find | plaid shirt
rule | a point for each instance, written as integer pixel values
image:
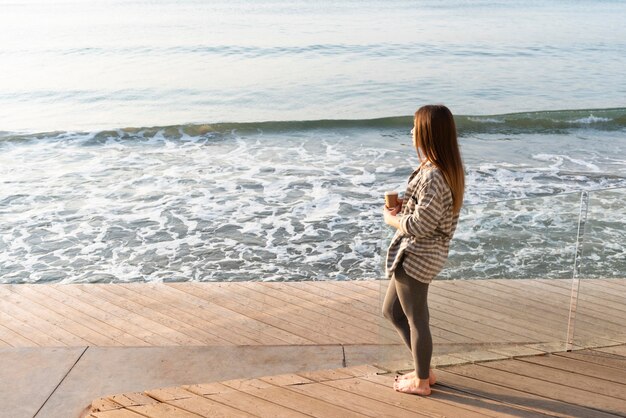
(426, 226)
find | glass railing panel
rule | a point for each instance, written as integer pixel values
(599, 299)
(503, 289)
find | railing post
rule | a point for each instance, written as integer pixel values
(582, 220)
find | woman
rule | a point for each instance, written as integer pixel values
(425, 222)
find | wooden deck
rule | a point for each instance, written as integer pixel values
(585, 383)
(471, 321)
(497, 312)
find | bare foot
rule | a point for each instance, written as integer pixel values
(413, 386)
(432, 379)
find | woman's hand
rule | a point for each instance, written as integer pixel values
(390, 216)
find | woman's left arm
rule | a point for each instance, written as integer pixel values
(425, 218)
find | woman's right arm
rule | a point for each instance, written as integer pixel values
(428, 210)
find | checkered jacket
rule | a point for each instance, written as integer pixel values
(426, 226)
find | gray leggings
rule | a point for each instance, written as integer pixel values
(406, 306)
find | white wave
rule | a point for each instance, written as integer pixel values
(365, 178)
(277, 207)
(485, 120)
(590, 119)
(559, 159)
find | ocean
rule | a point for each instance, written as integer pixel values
(254, 140)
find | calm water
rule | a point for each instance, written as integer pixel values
(114, 64)
(132, 148)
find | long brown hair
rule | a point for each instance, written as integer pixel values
(435, 137)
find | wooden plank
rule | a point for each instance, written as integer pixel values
(306, 404)
(363, 370)
(355, 288)
(489, 316)
(513, 351)
(43, 307)
(139, 326)
(39, 318)
(474, 328)
(512, 397)
(150, 407)
(617, 284)
(551, 347)
(327, 374)
(551, 300)
(602, 291)
(162, 410)
(167, 326)
(543, 321)
(513, 305)
(364, 290)
(593, 309)
(116, 413)
(256, 406)
(442, 401)
(442, 331)
(99, 333)
(279, 396)
(258, 312)
(337, 308)
(354, 401)
(471, 325)
(223, 321)
(193, 326)
(191, 402)
(445, 333)
(364, 321)
(104, 404)
(490, 373)
(570, 364)
(223, 331)
(317, 289)
(353, 306)
(204, 389)
(363, 328)
(588, 327)
(132, 399)
(18, 333)
(618, 350)
(286, 379)
(187, 333)
(545, 371)
(515, 294)
(27, 317)
(597, 357)
(306, 315)
(383, 393)
(538, 302)
(259, 330)
(243, 385)
(599, 305)
(127, 329)
(358, 293)
(508, 309)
